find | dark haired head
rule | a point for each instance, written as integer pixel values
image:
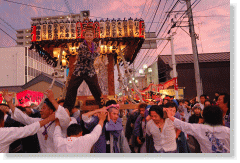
(170, 104)
(1, 116)
(4, 105)
(89, 28)
(110, 102)
(205, 96)
(21, 108)
(49, 104)
(212, 115)
(158, 109)
(60, 101)
(74, 129)
(142, 105)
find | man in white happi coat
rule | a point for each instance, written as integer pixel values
(45, 133)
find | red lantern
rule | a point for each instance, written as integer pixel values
(83, 27)
(142, 29)
(78, 29)
(33, 34)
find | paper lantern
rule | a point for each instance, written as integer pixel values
(120, 28)
(142, 29)
(61, 31)
(130, 27)
(114, 28)
(96, 27)
(33, 33)
(103, 49)
(67, 29)
(102, 28)
(83, 27)
(78, 29)
(55, 30)
(73, 30)
(64, 62)
(125, 28)
(44, 31)
(109, 49)
(108, 28)
(56, 52)
(136, 28)
(50, 30)
(38, 31)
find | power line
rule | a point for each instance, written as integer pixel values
(212, 7)
(35, 6)
(8, 34)
(177, 28)
(149, 49)
(7, 24)
(155, 14)
(148, 9)
(159, 32)
(143, 8)
(68, 6)
(161, 13)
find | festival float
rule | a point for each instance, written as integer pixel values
(119, 40)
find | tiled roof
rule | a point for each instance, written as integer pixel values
(12, 88)
(203, 57)
(43, 77)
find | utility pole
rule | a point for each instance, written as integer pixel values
(173, 63)
(194, 49)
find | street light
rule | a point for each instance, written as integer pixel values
(136, 81)
(149, 69)
(145, 66)
(130, 81)
(141, 71)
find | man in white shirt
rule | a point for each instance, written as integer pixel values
(212, 136)
(45, 134)
(10, 134)
(112, 138)
(75, 142)
(162, 131)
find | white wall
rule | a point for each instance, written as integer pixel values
(12, 69)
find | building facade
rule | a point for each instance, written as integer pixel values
(214, 72)
(23, 37)
(19, 65)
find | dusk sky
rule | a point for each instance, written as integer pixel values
(211, 20)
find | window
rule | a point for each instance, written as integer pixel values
(21, 37)
(19, 43)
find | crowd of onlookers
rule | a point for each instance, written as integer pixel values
(162, 125)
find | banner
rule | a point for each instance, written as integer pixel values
(1, 98)
(158, 87)
(27, 97)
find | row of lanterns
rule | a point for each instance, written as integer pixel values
(76, 30)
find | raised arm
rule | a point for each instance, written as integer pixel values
(8, 98)
(61, 113)
(17, 114)
(11, 134)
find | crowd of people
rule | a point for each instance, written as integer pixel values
(161, 126)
